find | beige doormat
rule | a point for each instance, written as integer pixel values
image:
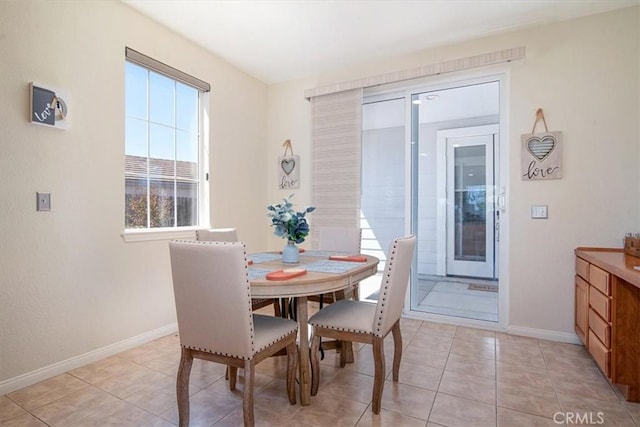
(485, 288)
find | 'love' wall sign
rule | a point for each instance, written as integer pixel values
(48, 107)
(541, 156)
(288, 168)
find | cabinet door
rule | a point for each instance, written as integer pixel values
(582, 309)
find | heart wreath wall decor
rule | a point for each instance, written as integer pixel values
(288, 168)
(541, 156)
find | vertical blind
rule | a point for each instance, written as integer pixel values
(336, 160)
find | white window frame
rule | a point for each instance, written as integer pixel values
(167, 233)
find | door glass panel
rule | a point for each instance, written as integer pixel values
(470, 203)
(383, 213)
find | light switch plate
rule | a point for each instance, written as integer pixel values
(43, 202)
(539, 212)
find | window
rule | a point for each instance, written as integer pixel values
(163, 143)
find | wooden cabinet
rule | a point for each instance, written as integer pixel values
(607, 314)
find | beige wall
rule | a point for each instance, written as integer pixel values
(69, 283)
(289, 117)
(585, 75)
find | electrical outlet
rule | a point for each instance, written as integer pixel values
(539, 212)
(43, 202)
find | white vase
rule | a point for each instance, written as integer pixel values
(290, 254)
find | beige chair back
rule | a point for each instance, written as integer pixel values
(340, 239)
(213, 297)
(217, 235)
(394, 284)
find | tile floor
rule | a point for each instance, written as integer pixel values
(448, 296)
(449, 376)
(451, 296)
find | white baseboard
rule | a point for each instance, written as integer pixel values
(30, 378)
(543, 334)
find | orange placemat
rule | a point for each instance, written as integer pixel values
(350, 258)
(287, 274)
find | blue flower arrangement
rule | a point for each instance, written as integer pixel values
(287, 223)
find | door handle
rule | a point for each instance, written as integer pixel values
(502, 199)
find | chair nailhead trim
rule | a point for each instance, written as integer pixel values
(385, 289)
(206, 350)
(344, 329)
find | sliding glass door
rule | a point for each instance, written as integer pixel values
(437, 167)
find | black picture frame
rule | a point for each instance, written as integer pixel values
(47, 107)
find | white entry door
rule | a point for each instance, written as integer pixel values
(470, 201)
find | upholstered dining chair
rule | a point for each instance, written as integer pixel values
(345, 240)
(359, 321)
(217, 235)
(231, 235)
(216, 323)
(340, 239)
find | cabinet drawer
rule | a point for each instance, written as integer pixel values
(600, 303)
(582, 268)
(600, 353)
(600, 279)
(600, 328)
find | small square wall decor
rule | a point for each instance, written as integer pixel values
(48, 107)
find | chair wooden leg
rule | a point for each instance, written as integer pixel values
(397, 349)
(284, 308)
(233, 376)
(315, 364)
(182, 387)
(346, 353)
(276, 308)
(378, 378)
(292, 365)
(247, 400)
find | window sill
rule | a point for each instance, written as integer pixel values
(131, 236)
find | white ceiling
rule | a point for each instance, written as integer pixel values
(277, 41)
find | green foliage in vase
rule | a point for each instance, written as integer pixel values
(287, 222)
